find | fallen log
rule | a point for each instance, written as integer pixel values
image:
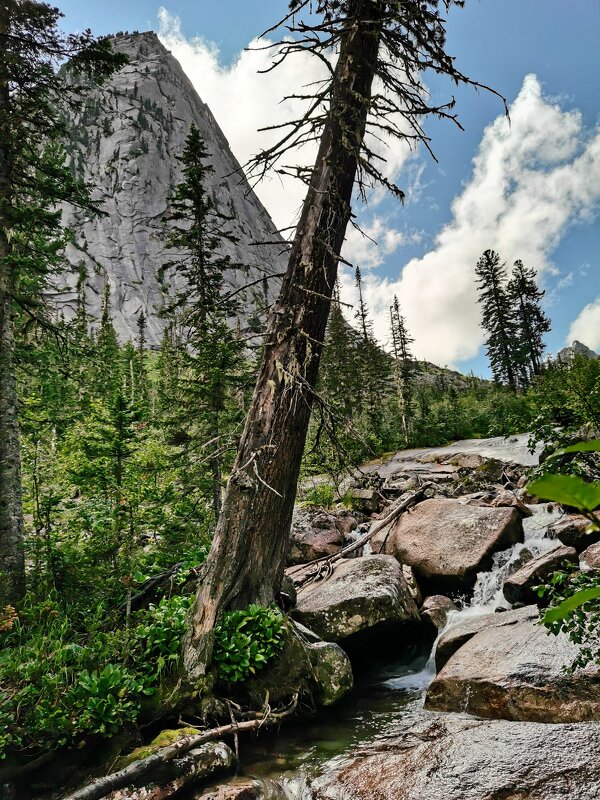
(323, 567)
(139, 771)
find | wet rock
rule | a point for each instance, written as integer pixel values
(447, 542)
(360, 595)
(591, 556)
(316, 533)
(332, 672)
(461, 758)
(436, 608)
(518, 587)
(451, 640)
(571, 530)
(235, 789)
(508, 499)
(517, 672)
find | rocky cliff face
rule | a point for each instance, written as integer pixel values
(125, 143)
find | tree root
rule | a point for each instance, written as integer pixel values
(141, 770)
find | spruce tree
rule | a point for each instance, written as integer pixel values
(34, 180)
(502, 343)
(531, 321)
(403, 365)
(212, 353)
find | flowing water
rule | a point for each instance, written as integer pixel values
(386, 694)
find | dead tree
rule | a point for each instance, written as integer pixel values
(386, 45)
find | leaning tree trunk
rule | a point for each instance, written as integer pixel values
(12, 565)
(247, 557)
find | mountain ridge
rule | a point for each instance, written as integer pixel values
(125, 143)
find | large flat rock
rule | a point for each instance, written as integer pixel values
(460, 633)
(448, 543)
(517, 672)
(361, 594)
(460, 758)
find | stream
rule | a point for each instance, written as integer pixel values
(387, 694)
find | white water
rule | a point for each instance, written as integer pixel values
(487, 593)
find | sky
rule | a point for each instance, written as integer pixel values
(528, 188)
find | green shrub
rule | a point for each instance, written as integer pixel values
(323, 494)
(246, 641)
(59, 684)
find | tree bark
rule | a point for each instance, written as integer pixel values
(12, 559)
(247, 558)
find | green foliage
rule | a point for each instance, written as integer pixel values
(246, 641)
(62, 683)
(569, 490)
(574, 597)
(157, 639)
(323, 494)
(575, 611)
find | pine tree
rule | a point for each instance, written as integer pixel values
(502, 344)
(212, 352)
(532, 322)
(34, 180)
(403, 365)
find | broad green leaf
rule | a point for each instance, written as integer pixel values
(580, 447)
(567, 489)
(570, 604)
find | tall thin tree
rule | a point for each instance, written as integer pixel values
(497, 318)
(33, 181)
(391, 41)
(532, 322)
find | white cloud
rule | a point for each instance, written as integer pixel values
(244, 98)
(586, 328)
(531, 179)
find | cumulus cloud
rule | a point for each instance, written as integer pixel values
(244, 98)
(586, 328)
(531, 179)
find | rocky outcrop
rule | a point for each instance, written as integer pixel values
(125, 142)
(361, 595)
(435, 609)
(453, 639)
(461, 758)
(448, 543)
(234, 789)
(332, 672)
(517, 672)
(591, 556)
(519, 587)
(317, 533)
(571, 530)
(306, 665)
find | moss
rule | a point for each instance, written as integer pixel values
(163, 739)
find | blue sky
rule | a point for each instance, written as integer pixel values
(455, 203)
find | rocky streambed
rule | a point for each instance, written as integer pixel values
(475, 703)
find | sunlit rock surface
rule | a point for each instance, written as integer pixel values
(125, 143)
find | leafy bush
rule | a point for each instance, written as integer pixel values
(246, 641)
(323, 494)
(60, 684)
(574, 597)
(157, 639)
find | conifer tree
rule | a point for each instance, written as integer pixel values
(403, 365)
(502, 344)
(532, 323)
(212, 352)
(34, 180)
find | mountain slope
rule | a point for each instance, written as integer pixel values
(125, 143)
